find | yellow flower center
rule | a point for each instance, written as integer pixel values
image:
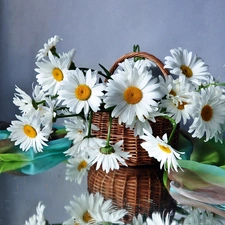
(133, 95)
(82, 165)
(80, 131)
(57, 74)
(166, 149)
(29, 131)
(172, 92)
(181, 105)
(207, 113)
(186, 71)
(83, 92)
(87, 217)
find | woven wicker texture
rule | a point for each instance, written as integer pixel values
(131, 143)
(137, 189)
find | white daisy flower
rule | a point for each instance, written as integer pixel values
(77, 168)
(84, 207)
(31, 221)
(200, 217)
(132, 95)
(51, 73)
(188, 65)
(166, 84)
(28, 132)
(208, 113)
(157, 219)
(161, 150)
(48, 112)
(108, 157)
(26, 104)
(40, 214)
(138, 125)
(48, 46)
(64, 112)
(85, 146)
(23, 101)
(37, 219)
(141, 65)
(219, 135)
(138, 220)
(69, 55)
(112, 217)
(38, 94)
(71, 221)
(80, 92)
(179, 98)
(77, 128)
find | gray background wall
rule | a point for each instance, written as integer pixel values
(101, 31)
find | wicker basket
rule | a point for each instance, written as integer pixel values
(137, 189)
(120, 132)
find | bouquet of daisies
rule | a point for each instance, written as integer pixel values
(132, 94)
(189, 95)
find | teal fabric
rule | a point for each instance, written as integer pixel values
(4, 134)
(29, 163)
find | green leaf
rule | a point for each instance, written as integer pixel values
(108, 75)
(58, 133)
(11, 166)
(13, 157)
(136, 48)
(209, 152)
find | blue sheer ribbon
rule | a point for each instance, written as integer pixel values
(201, 182)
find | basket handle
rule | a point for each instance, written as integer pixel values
(143, 55)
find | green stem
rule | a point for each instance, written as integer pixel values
(219, 84)
(174, 124)
(43, 101)
(67, 116)
(90, 122)
(99, 72)
(61, 108)
(56, 54)
(109, 131)
(53, 51)
(212, 84)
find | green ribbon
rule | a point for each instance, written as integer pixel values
(209, 152)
